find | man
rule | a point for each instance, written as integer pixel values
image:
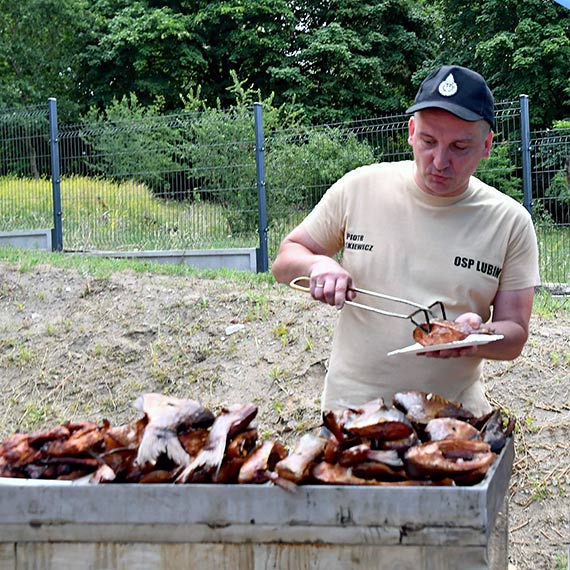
(424, 230)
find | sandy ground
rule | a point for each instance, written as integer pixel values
(75, 346)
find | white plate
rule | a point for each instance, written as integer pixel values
(18, 482)
(471, 340)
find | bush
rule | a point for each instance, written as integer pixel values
(127, 141)
(499, 171)
(301, 168)
(220, 147)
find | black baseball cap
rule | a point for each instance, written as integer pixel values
(458, 90)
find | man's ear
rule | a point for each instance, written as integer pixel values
(411, 129)
(488, 144)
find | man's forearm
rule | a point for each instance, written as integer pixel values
(293, 260)
(508, 348)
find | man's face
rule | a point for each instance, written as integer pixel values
(447, 150)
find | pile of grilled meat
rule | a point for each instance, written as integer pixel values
(421, 439)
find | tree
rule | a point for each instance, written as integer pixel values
(131, 47)
(36, 40)
(243, 36)
(163, 49)
(519, 47)
(353, 59)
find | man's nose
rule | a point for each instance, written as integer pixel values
(440, 158)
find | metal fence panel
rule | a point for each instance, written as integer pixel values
(550, 151)
(189, 181)
(25, 170)
(160, 183)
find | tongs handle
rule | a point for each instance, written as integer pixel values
(294, 284)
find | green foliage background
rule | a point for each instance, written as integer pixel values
(337, 60)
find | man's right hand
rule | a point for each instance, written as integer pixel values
(330, 283)
(299, 255)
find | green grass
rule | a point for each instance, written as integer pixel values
(550, 306)
(554, 253)
(101, 267)
(563, 560)
(106, 215)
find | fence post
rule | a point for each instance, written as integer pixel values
(57, 231)
(525, 150)
(262, 251)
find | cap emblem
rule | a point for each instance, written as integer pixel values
(448, 87)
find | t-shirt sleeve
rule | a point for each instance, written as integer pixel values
(520, 269)
(326, 223)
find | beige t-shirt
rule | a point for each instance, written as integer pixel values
(400, 241)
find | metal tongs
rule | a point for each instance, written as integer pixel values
(426, 311)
